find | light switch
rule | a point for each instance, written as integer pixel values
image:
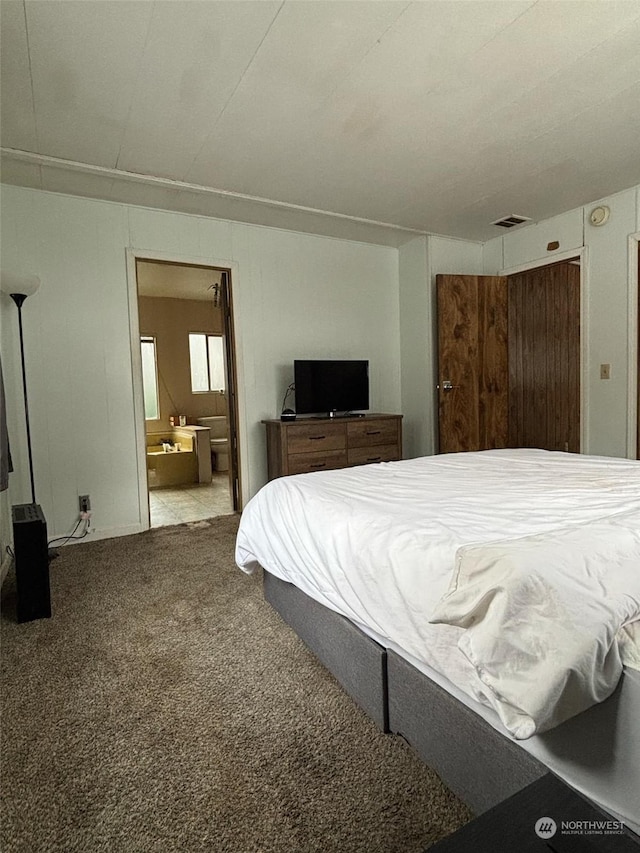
(605, 371)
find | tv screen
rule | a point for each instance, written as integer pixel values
(326, 387)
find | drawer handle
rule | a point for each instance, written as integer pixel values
(318, 465)
(373, 432)
(374, 458)
(316, 437)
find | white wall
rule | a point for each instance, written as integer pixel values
(608, 328)
(415, 348)
(608, 336)
(295, 295)
(531, 242)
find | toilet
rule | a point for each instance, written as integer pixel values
(219, 438)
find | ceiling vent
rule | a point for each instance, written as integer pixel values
(512, 220)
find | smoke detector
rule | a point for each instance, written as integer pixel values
(511, 220)
(599, 215)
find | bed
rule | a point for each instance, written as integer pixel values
(483, 605)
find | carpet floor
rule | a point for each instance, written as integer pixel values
(166, 707)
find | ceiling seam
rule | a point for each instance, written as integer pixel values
(377, 41)
(532, 171)
(33, 96)
(577, 60)
(435, 85)
(573, 116)
(506, 27)
(235, 89)
(135, 85)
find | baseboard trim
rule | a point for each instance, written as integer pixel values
(99, 533)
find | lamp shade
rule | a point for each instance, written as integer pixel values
(14, 283)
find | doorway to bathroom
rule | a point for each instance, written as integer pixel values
(187, 366)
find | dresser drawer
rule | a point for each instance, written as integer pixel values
(313, 438)
(367, 433)
(324, 444)
(305, 463)
(378, 453)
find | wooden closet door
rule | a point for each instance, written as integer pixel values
(544, 358)
(472, 362)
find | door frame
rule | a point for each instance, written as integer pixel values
(132, 255)
(583, 254)
(633, 393)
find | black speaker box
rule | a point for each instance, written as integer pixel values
(32, 562)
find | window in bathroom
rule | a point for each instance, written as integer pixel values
(149, 378)
(207, 362)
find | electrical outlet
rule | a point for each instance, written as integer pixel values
(85, 503)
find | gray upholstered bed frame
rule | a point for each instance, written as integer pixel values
(478, 763)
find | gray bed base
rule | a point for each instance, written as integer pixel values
(356, 661)
(482, 766)
(477, 763)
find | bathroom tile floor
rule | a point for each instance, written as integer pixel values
(193, 502)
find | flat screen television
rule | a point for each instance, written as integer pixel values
(331, 387)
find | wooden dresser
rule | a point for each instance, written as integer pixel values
(319, 444)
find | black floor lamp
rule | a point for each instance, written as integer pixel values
(29, 525)
(19, 288)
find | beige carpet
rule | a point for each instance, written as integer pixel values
(166, 707)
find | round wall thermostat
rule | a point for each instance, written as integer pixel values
(599, 215)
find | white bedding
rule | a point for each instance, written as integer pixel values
(378, 543)
(544, 618)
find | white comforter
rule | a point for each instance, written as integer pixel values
(378, 544)
(545, 618)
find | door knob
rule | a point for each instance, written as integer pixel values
(447, 386)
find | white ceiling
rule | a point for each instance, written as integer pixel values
(431, 116)
(176, 281)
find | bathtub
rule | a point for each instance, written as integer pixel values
(173, 468)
